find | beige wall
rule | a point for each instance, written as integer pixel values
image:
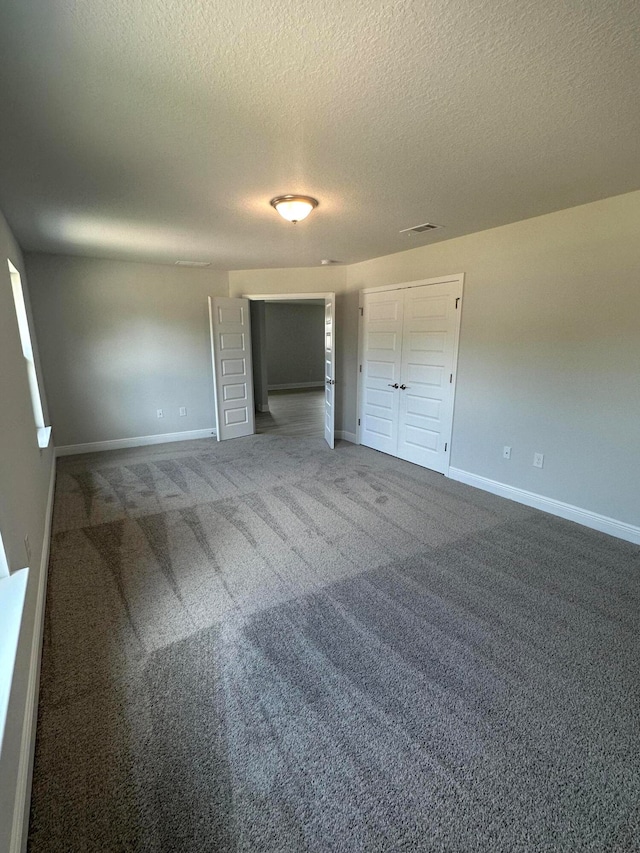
(295, 343)
(549, 351)
(25, 473)
(294, 280)
(121, 340)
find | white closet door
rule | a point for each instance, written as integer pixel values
(329, 370)
(232, 367)
(381, 363)
(427, 385)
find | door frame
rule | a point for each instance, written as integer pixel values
(288, 297)
(457, 278)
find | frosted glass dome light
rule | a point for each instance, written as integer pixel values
(294, 207)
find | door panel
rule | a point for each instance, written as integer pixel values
(381, 363)
(329, 370)
(426, 404)
(232, 367)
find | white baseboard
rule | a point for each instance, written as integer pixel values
(291, 386)
(586, 517)
(25, 769)
(347, 436)
(137, 441)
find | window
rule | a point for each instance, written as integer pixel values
(4, 565)
(12, 594)
(44, 432)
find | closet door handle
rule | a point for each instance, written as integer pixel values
(403, 387)
(395, 385)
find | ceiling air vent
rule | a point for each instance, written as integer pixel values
(420, 229)
(193, 263)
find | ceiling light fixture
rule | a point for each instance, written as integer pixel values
(294, 207)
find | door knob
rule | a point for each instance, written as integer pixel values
(403, 387)
(395, 385)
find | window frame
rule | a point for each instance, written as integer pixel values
(42, 430)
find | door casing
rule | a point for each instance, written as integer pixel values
(288, 297)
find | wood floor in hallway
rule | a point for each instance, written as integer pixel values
(298, 412)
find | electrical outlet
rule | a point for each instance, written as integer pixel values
(506, 452)
(27, 548)
(160, 413)
(538, 460)
(183, 411)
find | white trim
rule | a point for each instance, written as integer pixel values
(137, 441)
(285, 297)
(216, 411)
(346, 436)
(44, 437)
(586, 517)
(443, 279)
(289, 386)
(25, 768)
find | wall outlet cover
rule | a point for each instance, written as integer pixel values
(538, 460)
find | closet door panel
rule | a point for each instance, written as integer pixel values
(424, 421)
(381, 364)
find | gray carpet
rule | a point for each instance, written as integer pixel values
(263, 645)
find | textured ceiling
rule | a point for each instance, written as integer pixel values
(160, 129)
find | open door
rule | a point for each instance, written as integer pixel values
(232, 367)
(329, 370)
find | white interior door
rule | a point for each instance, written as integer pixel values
(426, 389)
(381, 363)
(329, 370)
(232, 366)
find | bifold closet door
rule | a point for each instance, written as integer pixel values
(382, 361)
(426, 388)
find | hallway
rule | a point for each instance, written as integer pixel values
(299, 412)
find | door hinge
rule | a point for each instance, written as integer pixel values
(457, 300)
(358, 421)
(360, 368)
(362, 312)
(445, 446)
(451, 377)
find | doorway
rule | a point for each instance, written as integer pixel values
(292, 389)
(233, 339)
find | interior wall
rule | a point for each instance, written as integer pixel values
(121, 340)
(25, 473)
(549, 351)
(295, 344)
